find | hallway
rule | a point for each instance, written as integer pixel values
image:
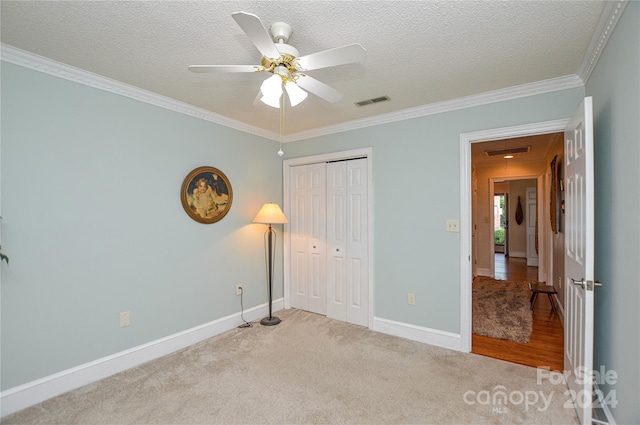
(545, 348)
(513, 268)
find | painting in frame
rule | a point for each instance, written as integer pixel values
(206, 195)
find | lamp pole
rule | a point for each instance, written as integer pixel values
(270, 321)
(270, 213)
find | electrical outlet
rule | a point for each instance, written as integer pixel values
(125, 319)
(560, 282)
(452, 225)
(411, 299)
(238, 288)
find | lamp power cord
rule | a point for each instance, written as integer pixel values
(245, 324)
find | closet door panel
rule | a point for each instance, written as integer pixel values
(317, 231)
(299, 239)
(336, 240)
(357, 243)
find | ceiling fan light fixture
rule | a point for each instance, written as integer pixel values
(272, 86)
(284, 60)
(274, 102)
(271, 90)
(295, 93)
(282, 71)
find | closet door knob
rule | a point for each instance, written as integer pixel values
(337, 249)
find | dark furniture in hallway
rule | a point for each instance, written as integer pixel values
(541, 288)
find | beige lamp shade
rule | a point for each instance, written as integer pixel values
(270, 214)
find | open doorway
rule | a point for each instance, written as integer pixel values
(515, 248)
(514, 221)
(501, 222)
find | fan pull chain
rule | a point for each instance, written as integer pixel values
(282, 103)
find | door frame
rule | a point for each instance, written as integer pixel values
(492, 181)
(466, 269)
(286, 204)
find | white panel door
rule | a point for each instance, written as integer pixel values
(532, 223)
(299, 238)
(307, 226)
(337, 240)
(357, 243)
(317, 231)
(347, 241)
(579, 259)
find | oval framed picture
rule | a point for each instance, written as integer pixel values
(206, 195)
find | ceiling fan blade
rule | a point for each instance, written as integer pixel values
(337, 56)
(252, 26)
(321, 90)
(220, 69)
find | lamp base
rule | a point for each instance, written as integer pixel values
(270, 321)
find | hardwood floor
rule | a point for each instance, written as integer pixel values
(546, 346)
(511, 268)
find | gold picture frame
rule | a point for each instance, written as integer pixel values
(206, 195)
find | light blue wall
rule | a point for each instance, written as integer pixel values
(93, 224)
(416, 179)
(615, 87)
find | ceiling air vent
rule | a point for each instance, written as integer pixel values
(510, 151)
(372, 101)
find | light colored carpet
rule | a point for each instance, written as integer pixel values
(501, 309)
(311, 370)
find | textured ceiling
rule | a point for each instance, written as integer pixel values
(418, 52)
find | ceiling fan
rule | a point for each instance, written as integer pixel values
(285, 63)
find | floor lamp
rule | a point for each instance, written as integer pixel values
(270, 214)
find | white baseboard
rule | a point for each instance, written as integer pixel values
(483, 272)
(517, 254)
(418, 333)
(31, 393)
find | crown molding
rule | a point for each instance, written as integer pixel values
(510, 93)
(606, 23)
(32, 61)
(39, 63)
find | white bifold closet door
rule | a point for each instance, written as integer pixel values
(347, 245)
(308, 229)
(329, 239)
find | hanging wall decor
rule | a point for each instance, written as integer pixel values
(206, 195)
(554, 195)
(519, 215)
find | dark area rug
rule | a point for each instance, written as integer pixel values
(501, 309)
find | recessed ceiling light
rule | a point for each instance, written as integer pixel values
(508, 156)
